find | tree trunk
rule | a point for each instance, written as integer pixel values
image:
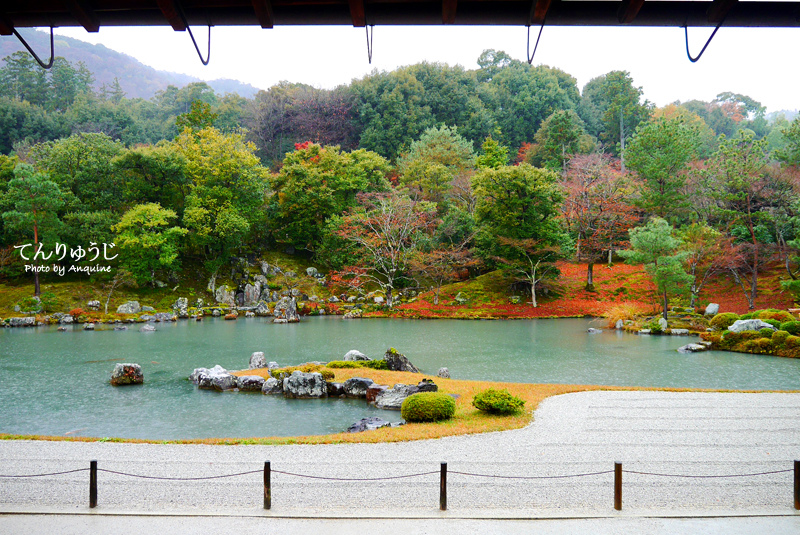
(666, 305)
(590, 277)
(621, 140)
(533, 293)
(436, 295)
(37, 291)
(610, 255)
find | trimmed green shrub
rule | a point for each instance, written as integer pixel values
(773, 314)
(748, 316)
(766, 333)
(792, 341)
(791, 327)
(497, 402)
(774, 323)
(779, 337)
(428, 407)
(722, 321)
(372, 364)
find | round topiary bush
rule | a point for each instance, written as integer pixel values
(774, 314)
(766, 333)
(722, 321)
(497, 402)
(791, 327)
(779, 337)
(428, 407)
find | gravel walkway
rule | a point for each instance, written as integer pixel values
(582, 433)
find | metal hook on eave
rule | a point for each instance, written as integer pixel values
(370, 33)
(528, 48)
(686, 35)
(39, 61)
(194, 41)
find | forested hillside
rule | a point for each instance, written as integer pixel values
(407, 179)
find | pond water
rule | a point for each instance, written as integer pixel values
(57, 383)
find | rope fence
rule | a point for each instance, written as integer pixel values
(267, 472)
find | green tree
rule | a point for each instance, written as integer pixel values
(660, 152)
(558, 139)
(147, 243)
(517, 203)
(152, 174)
(434, 161)
(316, 183)
(34, 202)
(494, 154)
(655, 246)
(790, 154)
(613, 106)
(227, 185)
(199, 116)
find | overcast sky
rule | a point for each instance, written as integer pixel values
(761, 63)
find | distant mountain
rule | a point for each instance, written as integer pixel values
(137, 80)
(788, 114)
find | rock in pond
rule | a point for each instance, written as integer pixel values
(272, 387)
(22, 321)
(355, 355)
(88, 326)
(692, 348)
(619, 325)
(592, 330)
(147, 329)
(444, 373)
(258, 360)
(356, 387)
(250, 383)
(368, 424)
(286, 311)
(374, 391)
(127, 374)
(397, 362)
(392, 398)
(335, 390)
(130, 307)
(301, 385)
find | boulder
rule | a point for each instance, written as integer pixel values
(374, 391)
(262, 309)
(94, 304)
(165, 316)
(397, 362)
(252, 293)
(392, 398)
(333, 299)
(680, 332)
(619, 325)
(378, 300)
(216, 313)
(120, 328)
(148, 309)
(127, 374)
(66, 319)
(258, 360)
(88, 326)
(426, 385)
(286, 310)
(692, 348)
(250, 383)
(352, 315)
(592, 330)
(198, 372)
(444, 373)
(368, 424)
(662, 324)
(224, 381)
(129, 307)
(712, 309)
(750, 325)
(225, 295)
(301, 385)
(272, 387)
(354, 355)
(643, 331)
(62, 329)
(335, 390)
(312, 272)
(356, 387)
(181, 307)
(271, 365)
(249, 314)
(460, 299)
(147, 329)
(29, 321)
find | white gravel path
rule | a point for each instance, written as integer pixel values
(658, 432)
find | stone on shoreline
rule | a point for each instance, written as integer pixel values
(301, 385)
(397, 362)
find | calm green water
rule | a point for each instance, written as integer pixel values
(57, 382)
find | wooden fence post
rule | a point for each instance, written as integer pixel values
(618, 486)
(443, 487)
(267, 485)
(92, 484)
